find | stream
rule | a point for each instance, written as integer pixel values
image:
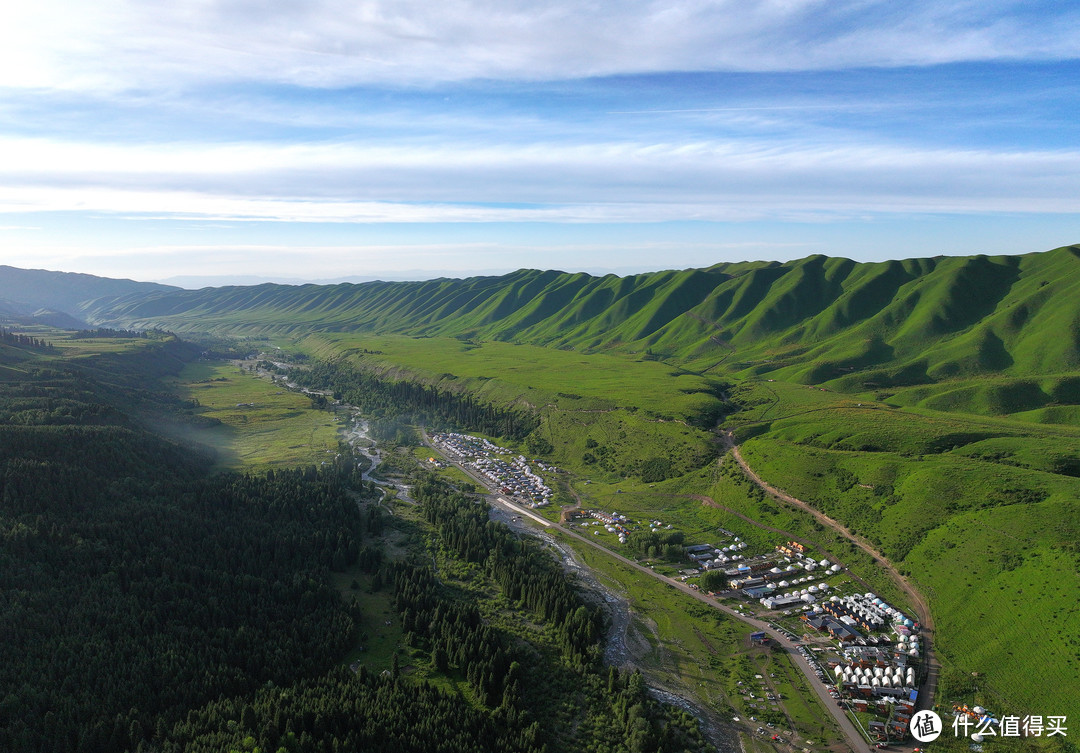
(616, 652)
(358, 435)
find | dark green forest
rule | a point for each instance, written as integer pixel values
(383, 400)
(149, 604)
(135, 584)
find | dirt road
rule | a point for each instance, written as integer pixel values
(918, 603)
(854, 739)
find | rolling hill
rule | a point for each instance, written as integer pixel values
(929, 405)
(857, 326)
(58, 298)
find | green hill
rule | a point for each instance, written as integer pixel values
(856, 325)
(58, 298)
(931, 405)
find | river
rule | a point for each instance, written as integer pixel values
(616, 652)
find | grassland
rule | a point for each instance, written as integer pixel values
(929, 405)
(253, 423)
(537, 375)
(695, 651)
(892, 473)
(814, 320)
(981, 513)
(621, 412)
(916, 482)
(379, 629)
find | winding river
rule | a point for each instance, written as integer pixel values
(616, 652)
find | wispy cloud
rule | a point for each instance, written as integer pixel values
(122, 44)
(213, 120)
(539, 182)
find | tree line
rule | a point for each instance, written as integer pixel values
(667, 545)
(381, 399)
(7, 337)
(614, 712)
(102, 333)
(525, 574)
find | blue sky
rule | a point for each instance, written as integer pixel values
(321, 139)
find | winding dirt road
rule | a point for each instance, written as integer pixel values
(854, 739)
(918, 603)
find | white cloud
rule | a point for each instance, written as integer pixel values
(391, 260)
(125, 44)
(548, 182)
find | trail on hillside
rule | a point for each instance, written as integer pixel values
(919, 604)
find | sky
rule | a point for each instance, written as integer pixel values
(214, 141)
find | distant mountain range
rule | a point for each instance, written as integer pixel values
(816, 319)
(58, 298)
(195, 282)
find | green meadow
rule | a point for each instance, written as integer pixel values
(252, 423)
(620, 412)
(898, 475)
(542, 377)
(980, 512)
(930, 406)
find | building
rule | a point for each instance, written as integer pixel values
(817, 622)
(781, 602)
(791, 549)
(842, 632)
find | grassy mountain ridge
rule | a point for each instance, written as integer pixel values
(50, 296)
(819, 319)
(930, 405)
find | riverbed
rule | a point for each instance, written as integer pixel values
(616, 607)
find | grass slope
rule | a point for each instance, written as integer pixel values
(983, 513)
(931, 405)
(25, 291)
(252, 423)
(858, 325)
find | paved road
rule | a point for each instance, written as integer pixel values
(854, 739)
(852, 736)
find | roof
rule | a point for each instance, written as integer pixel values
(841, 631)
(783, 601)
